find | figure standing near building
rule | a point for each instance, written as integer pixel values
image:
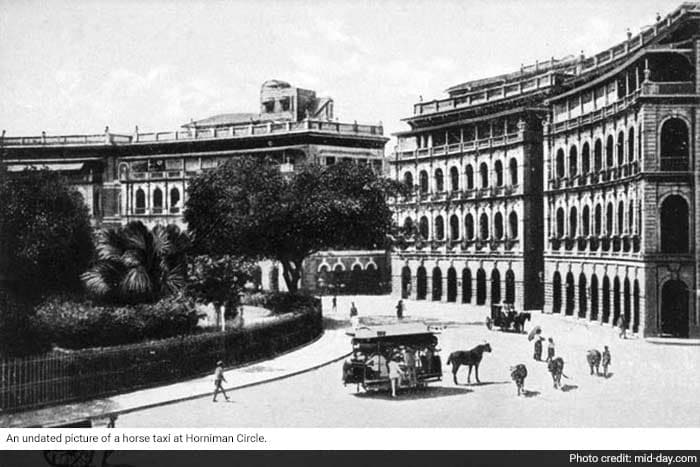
(353, 310)
(409, 360)
(218, 379)
(606, 360)
(395, 373)
(538, 348)
(622, 326)
(334, 304)
(550, 349)
(399, 309)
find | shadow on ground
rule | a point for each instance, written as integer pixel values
(569, 387)
(425, 393)
(528, 394)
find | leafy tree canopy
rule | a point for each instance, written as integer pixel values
(218, 279)
(248, 208)
(45, 233)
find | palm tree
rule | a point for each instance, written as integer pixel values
(135, 264)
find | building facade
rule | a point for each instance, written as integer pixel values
(570, 183)
(144, 176)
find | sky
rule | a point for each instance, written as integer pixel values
(74, 67)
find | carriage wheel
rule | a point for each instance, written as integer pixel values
(489, 323)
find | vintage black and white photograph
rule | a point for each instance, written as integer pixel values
(349, 214)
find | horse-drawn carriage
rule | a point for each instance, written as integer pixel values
(414, 346)
(506, 318)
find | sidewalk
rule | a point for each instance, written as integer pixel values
(333, 345)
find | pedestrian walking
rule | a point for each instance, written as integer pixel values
(218, 379)
(538, 349)
(399, 309)
(606, 360)
(353, 310)
(409, 360)
(334, 304)
(395, 373)
(622, 326)
(550, 350)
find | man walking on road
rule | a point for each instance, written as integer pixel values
(218, 379)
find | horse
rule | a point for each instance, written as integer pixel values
(519, 321)
(556, 368)
(518, 373)
(593, 356)
(471, 358)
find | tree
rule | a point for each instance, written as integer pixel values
(45, 234)
(136, 265)
(247, 207)
(218, 279)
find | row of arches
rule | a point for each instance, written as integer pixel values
(674, 151)
(620, 218)
(603, 300)
(502, 289)
(455, 181)
(157, 201)
(356, 280)
(497, 228)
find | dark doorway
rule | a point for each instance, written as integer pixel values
(406, 282)
(556, 293)
(480, 287)
(437, 284)
(421, 283)
(495, 286)
(674, 309)
(451, 285)
(466, 285)
(570, 294)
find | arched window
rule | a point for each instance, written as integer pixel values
(556, 293)
(510, 286)
(674, 145)
(439, 181)
(423, 181)
(609, 220)
(560, 163)
(594, 298)
(454, 227)
(423, 228)
(573, 222)
(598, 156)
(470, 177)
(585, 159)
(573, 161)
(513, 171)
(408, 179)
(570, 290)
(598, 219)
(495, 286)
(454, 178)
(174, 200)
(630, 144)
(140, 201)
(620, 218)
(157, 200)
(620, 148)
(674, 225)
(437, 284)
(480, 287)
(560, 222)
(498, 225)
(582, 296)
(469, 226)
(513, 224)
(498, 169)
(627, 301)
(609, 152)
(484, 173)
(484, 226)
(606, 300)
(408, 226)
(439, 228)
(630, 218)
(586, 221)
(466, 285)
(421, 283)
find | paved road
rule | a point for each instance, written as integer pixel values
(651, 386)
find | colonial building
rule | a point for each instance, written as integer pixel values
(621, 182)
(144, 176)
(570, 182)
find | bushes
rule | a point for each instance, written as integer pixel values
(282, 302)
(78, 324)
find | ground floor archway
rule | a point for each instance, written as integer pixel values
(674, 309)
(451, 285)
